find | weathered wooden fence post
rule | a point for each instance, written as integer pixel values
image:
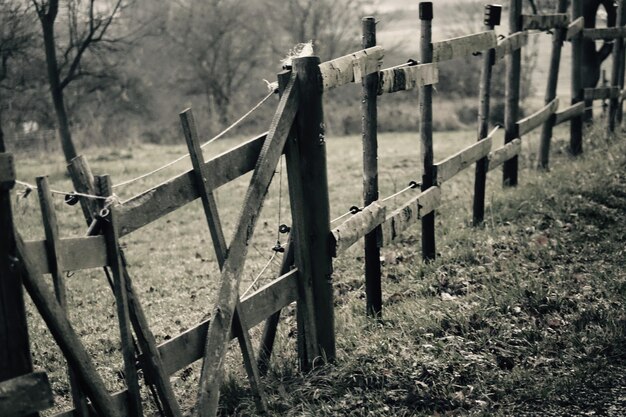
(576, 124)
(426, 128)
(618, 53)
(310, 207)
(369, 111)
(553, 78)
(15, 359)
(493, 12)
(511, 114)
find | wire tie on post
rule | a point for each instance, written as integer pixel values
(414, 184)
(283, 228)
(71, 199)
(412, 62)
(355, 209)
(278, 247)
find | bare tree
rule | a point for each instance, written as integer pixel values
(332, 25)
(220, 45)
(15, 38)
(88, 29)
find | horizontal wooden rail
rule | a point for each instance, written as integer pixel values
(605, 33)
(510, 44)
(463, 46)
(575, 28)
(601, 93)
(351, 68)
(407, 78)
(25, 395)
(74, 253)
(188, 347)
(545, 21)
(452, 165)
(499, 156)
(412, 211)
(570, 112)
(538, 118)
(175, 193)
(357, 226)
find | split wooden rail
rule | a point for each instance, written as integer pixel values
(296, 131)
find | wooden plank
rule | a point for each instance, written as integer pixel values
(569, 112)
(51, 229)
(463, 46)
(536, 119)
(219, 244)
(369, 129)
(356, 227)
(407, 78)
(545, 137)
(75, 253)
(428, 244)
(83, 181)
(111, 235)
(175, 193)
(545, 21)
(206, 193)
(188, 347)
(610, 33)
(576, 66)
(504, 153)
(15, 358)
(63, 333)
(7, 170)
(25, 394)
(409, 213)
(601, 93)
(510, 171)
(456, 163)
(510, 44)
(228, 294)
(351, 68)
(575, 28)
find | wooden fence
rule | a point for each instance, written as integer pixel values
(297, 131)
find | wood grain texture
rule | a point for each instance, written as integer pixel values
(357, 226)
(410, 213)
(567, 113)
(179, 191)
(63, 333)
(611, 33)
(351, 68)
(73, 253)
(504, 153)
(601, 93)
(7, 171)
(510, 44)
(545, 21)
(407, 78)
(228, 293)
(188, 347)
(575, 28)
(463, 46)
(25, 394)
(536, 119)
(456, 163)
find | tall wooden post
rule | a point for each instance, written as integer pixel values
(618, 52)
(310, 206)
(576, 124)
(15, 359)
(493, 12)
(369, 111)
(553, 78)
(426, 128)
(512, 87)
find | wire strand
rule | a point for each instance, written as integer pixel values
(213, 139)
(73, 193)
(260, 274)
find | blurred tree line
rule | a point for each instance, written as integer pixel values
(111, 71)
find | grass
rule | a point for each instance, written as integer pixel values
(512, 318)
